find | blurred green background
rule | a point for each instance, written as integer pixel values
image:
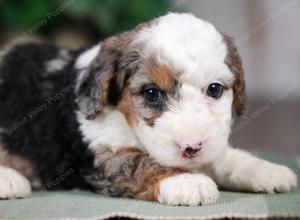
(73, 22)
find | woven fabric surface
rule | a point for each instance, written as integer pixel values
(89, 206)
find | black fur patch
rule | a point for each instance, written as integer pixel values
(38, 115)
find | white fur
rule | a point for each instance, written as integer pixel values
(13, 184)
(85, 59)
(110, 128)
(195, 49)
(58, 63)
(194, 119)
(188, 44)
(188, 189)
(237, 169)
(55, 65)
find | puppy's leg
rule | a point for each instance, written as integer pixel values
(131, 173)
(13, 184)
(242, 171)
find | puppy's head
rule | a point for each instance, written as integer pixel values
(177, 80)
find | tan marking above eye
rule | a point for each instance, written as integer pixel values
(162, 77)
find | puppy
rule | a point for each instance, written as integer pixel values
(145, 114)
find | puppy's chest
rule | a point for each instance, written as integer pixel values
(109, 130)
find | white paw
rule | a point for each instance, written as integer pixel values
(13, 184)
(188, 189)
(268, 177)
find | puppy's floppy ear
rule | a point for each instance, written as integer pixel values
(91, 92)
(234, 63)
(95, 82)
(103, 82)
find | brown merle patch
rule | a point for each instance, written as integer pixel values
(234, 63)
(128, 172)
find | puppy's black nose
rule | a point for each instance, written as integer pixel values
(190, 151)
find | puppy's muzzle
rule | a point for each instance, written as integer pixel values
(190, 150)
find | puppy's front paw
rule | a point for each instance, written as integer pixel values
(268, 177)
(188, 189)
(13, 184)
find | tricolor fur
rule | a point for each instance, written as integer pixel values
(132, 116)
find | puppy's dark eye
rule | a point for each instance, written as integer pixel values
(153, 95)
(215, 90)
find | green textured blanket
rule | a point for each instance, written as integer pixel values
(86, 205)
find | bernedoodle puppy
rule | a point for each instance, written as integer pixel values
(146, 114)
